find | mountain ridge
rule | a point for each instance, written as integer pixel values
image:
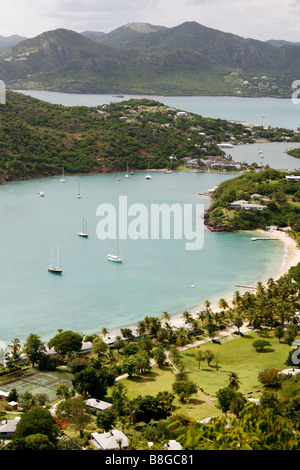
(141, 58)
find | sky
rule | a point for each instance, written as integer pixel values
(257, 19)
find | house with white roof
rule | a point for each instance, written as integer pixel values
(98, 405)
(113, 440)
(8, 427)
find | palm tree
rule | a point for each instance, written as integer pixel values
(166, 316)
(16, 350)
(234, 381)
(238, 322)
(104, 332)
(141, 327)
(223, 305)
(181, 338)
(200, 356)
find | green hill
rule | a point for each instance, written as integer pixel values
(139, 58)
(282, 201)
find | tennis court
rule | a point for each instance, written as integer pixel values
(39, 382)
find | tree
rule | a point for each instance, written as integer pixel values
(99, 346)
(142, 362)
(184, 389)
(80, 414)
(92, 381)
(62, 390)
(211, 329)
(119, 398)
(238, 322)
(37, 421)
(104, 331)
(129, 366)
(237, 404)
(209, 356)
(159, 356)
(106, 420)
(34, 348)
(225, 396)
(200, 356)
(234, 381)
(260, 344)
(15, 351)
(279, 332)
(65, 342)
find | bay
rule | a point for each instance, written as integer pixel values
(258, 111)
(156, 275)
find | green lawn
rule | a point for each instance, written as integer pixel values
(236, 355)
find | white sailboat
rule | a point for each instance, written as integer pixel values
(148, 177)
(83, 233)
(62, 179)
(41, 193)
(127, 175)
(115, 258)
(78, 195)
(55, 268)
(118, 179)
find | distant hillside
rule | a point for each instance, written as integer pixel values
(9, 41)
(129, 34)
(278, 42)
(94, 35)
(139, 58)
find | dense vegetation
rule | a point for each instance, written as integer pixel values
(273, 424)
(281, 198)
(39, 138)
(189, 59)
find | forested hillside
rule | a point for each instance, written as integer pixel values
(269, 188)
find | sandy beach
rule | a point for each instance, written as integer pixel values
(291, 257)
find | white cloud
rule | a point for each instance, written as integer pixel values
(260, 19)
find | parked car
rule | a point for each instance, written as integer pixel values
(230, 324)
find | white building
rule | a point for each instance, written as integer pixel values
(113, 440)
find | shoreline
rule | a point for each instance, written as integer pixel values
(291, 257)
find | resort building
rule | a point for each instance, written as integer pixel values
(246, 206)
(292, 179)
(113, 440)
(98, 405)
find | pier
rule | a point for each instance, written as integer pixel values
(253, 239)
(246, 287)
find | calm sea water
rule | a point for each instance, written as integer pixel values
(263, 111)
(156, 276)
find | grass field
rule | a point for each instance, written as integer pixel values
(236, 355)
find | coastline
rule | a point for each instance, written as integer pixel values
(291, 257)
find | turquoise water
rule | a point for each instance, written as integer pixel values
(263, 111)
(156, 276)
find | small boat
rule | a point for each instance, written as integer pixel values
(127, 175)
(168, 172)
(115, 258)
(78, 195)
(83, 233)
(131, 172)
(62, 179)
(41, 193)
(54, 268)
(148, 177)
(118, 179)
